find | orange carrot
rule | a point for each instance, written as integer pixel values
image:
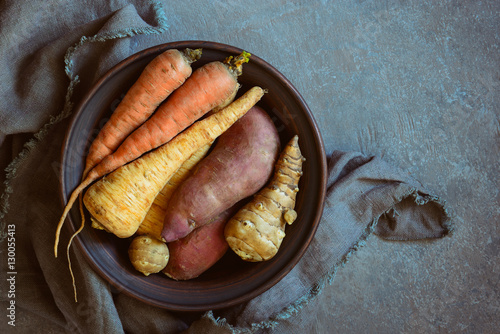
(208, 87)
(164, 74)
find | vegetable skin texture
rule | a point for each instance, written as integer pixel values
(240, 163)
(148, 255)
(206, 88)
(120, 200)
(256, 231)
(198, 251)
(152, 224)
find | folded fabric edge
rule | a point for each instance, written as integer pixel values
(28, 147)
(303, 301)
(15, 164)
(423, 198)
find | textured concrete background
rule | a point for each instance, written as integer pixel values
(416, 82)
(419, 85)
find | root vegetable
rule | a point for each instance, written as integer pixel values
(153, 222)
(120, 200)
(198, 251)
(148, 255)
(240, 163)
(256, 231)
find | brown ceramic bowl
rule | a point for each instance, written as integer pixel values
(231, 280)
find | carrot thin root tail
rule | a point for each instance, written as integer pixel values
(72, 199)
(69, 259)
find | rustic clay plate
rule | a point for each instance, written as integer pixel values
(231, 280)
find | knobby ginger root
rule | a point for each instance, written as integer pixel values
(256, 231)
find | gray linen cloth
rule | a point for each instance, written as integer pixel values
(50, 57)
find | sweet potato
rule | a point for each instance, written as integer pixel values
(199, 250)
(240, 164)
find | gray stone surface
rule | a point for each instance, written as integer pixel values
(419, 85)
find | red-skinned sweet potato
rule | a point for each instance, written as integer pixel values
(199, 250)
(240, 164)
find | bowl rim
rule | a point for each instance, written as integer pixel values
(319, 144)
